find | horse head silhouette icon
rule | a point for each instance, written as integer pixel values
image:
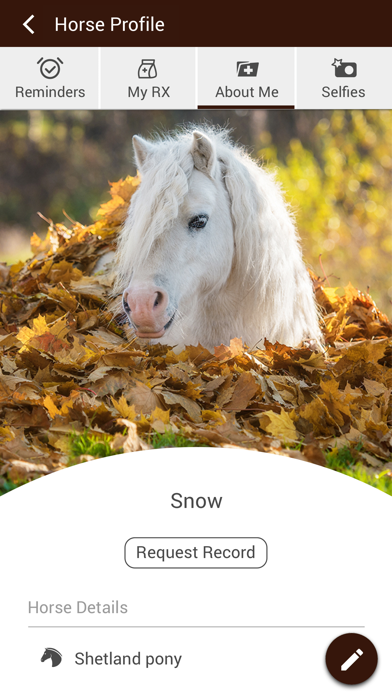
(53, 654)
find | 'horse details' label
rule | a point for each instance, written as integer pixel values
(78, 607)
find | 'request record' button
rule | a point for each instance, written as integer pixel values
(196, 552)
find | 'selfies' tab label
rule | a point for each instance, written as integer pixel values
(345, 71)
(344, 78)
(196, 552)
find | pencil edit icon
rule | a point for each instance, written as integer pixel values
(353, 658)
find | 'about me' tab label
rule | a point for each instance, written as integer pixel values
(245, 77)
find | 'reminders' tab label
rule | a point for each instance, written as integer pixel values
(49, 78)
(246, 77)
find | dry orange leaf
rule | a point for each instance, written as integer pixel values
(279, 425)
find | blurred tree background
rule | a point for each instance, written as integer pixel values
(335, 166)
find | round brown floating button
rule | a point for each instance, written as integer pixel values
(351, 658)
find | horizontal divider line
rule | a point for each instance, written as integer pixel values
(240, 107)
(196, 626)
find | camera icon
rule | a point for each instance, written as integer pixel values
(344, 69)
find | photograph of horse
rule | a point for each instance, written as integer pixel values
(195, 279)
(209, 250)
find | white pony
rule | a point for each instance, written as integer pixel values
(209, 250)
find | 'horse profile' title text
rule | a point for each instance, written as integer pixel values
(116, 24)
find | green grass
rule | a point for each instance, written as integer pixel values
(345, 460)
(343, 457)
(170, 439)
(297, 447)
(6, 485)
(93, 444)
(98, 445)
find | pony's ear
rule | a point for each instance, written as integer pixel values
(142, 148)
(203, 152)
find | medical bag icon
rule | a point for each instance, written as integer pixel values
(247, 69)
(147, 69)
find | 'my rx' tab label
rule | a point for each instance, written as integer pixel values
(161, 78)
(154, 92)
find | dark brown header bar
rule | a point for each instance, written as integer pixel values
(182, 24)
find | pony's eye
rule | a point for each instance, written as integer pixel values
(198, 222)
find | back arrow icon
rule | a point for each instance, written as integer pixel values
(25, 24)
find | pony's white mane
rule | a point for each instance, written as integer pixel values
(277, 297)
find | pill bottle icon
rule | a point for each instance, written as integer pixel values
(147, 69)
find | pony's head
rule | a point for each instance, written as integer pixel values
(209, 250)
(178, 242)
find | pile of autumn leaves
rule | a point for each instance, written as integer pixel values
(68, 365)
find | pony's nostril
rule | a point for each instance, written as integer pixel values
(158, 299)
(144, 306)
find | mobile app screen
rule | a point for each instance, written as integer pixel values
(195, 359)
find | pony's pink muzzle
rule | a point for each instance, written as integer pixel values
(146, 307)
